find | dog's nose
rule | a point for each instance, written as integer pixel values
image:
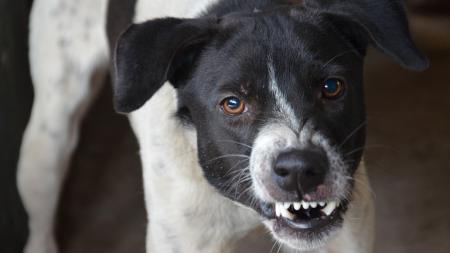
(300, 170)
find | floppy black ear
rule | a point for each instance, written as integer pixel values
(149, 54)
(383, 23)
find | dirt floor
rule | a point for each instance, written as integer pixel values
(408, 156)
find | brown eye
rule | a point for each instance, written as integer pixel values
(333, 88)
(233, 105)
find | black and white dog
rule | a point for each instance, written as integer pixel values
(247, 113)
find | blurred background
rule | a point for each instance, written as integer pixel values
(102, 209)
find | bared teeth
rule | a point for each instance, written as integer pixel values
(305, 205)
(282, 209)
(286, 214)
(277, 210)
(329, 208)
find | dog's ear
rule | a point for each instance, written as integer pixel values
(149, 54)
(383, 23)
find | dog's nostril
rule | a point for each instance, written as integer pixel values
(281, 172)
(310, 173)
(300, 170)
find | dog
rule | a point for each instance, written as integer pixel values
(246, 112)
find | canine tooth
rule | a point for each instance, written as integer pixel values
(286, 205)
(305, 205)
(313, 204)
(286, 214)
(329, 208)
(297, 206)
(277, 210)
(321, 203)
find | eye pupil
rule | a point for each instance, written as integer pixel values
(233, 105)
(332, 88)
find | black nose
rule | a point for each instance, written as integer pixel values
(300, 170)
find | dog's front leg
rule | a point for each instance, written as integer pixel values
(185, 213)
(65, 52)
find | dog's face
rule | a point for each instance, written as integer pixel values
(276, 99)
(278, 108)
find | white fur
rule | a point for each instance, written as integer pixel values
(284, 108)
(67, 49)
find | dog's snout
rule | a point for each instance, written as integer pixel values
(300, 170)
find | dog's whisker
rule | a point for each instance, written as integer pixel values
(245, 191)
(242, 180)
(370, 147)
(279, 248)
(274, 245)
(228, 156)
(239, 178)
(237, 142)
(232, 170)
(363, 184)
(339, 55)
(354, 151)
(353, 132)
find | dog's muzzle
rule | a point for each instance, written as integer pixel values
(301, 186)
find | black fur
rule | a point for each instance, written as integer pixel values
(154, 52)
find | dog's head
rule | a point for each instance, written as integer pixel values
(276, 99)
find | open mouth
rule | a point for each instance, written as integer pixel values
(306, 217)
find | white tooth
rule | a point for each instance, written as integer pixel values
(321, 203)
(329, 208)
(305, 205)
(277, 210)
(297, 206)
(286, 214)
(286, 205)
(313, 204)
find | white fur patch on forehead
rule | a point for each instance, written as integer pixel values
(271, 140)
(283, 107)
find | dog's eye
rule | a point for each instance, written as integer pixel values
(233, 105)
(333, 88)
